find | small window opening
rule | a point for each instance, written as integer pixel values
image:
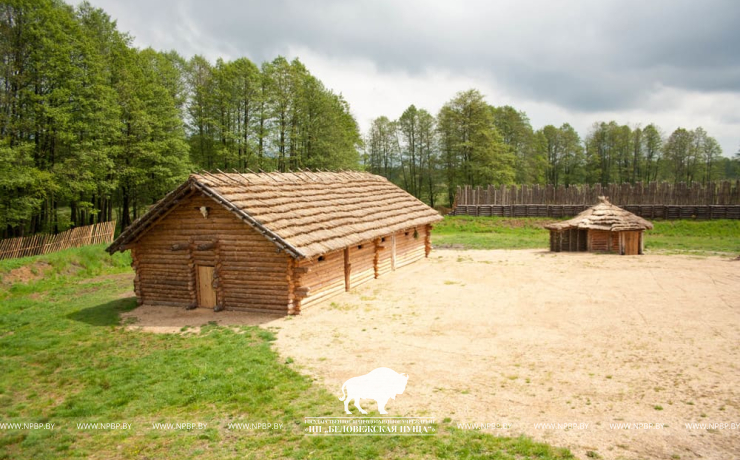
(382, 240)
(321, 258)
(406, 234)
(359, 246)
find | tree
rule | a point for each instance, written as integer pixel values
(472, 137)
(516, 132)
(652, 141)
(408, 127)
(709, 154)
(677, 152)
(381, 146)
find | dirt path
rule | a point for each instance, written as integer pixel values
(528, 337)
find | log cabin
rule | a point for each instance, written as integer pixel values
(273, 242)
(600, 228)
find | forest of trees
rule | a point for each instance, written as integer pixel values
(92, 128)
(470, 142)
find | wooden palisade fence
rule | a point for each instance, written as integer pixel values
(714, 193)
(716, 200)
(44, 243)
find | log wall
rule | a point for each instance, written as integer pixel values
(410, 246)
(572, 240)
(362, 260)
(368, 260)
(249, 272)
(384, 256)
(324, 277)
(603, 241)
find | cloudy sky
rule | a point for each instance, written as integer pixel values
(672, 62)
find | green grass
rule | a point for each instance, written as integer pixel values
(700, 236)
(467, 232)
(66, 360)
(668, 236)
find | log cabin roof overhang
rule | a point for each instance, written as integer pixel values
(305, 214)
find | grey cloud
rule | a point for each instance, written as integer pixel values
(582, 55)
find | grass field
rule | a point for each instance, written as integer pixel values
(672, 236)
(66, 360)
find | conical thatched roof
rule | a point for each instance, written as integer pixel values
(603, 216)
(305, 213)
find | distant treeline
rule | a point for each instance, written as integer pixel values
(92, 128)
(470, 142)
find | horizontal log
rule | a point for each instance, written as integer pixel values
(324, 281)
(273, 291)
(240, 278)
(159, 256)
(154, 270)
(410, 254)
(256, 287)
(170, 232)
(363, 276)
(206, 246)
(164, 282)
(257, 309)
(248, 243)
(148, 294)
(362, 267)
(320, 284)
(255, 272)
(231, 297)
(247, 281)
(325, 271)
(319, 269)
(252, 277)
(320, 297)
(256, 259)
(309, 280)
(261, 267)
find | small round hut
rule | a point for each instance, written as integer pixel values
(600, 228)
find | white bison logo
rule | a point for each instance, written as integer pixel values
(381, 385)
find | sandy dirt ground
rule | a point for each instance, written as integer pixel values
(513, 339)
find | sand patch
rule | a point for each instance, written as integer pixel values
(26, 273)
(528, 337)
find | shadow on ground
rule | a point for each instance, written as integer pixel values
(164, 319)
(105, 314)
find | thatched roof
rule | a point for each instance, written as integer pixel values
(603, 216)
(304, 213)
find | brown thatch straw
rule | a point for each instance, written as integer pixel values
(603, 216)
(308, 213)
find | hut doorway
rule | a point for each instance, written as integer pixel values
(629, 243)
(206, 292)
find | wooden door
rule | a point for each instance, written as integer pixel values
(631, 243)
(206, 293)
